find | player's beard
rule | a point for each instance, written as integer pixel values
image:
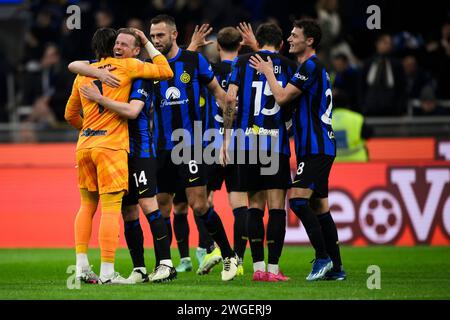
(166, 48)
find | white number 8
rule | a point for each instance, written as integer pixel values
(301, 165)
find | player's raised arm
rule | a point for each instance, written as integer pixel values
(104, 75)
(282, 95)
(73, 108)
(158, 70)
(198, 39)
(129, 110)
(248, 36)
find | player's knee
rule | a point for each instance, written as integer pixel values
(130, 213)
(199, 207)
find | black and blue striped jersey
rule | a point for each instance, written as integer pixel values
(213, 113)
(177, 101)
(258, 113)
(141, 144)
(312, 117)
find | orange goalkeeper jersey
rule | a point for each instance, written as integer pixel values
(100, 127)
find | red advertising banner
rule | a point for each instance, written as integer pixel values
(383, 202)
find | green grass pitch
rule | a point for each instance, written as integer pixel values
(406, 273)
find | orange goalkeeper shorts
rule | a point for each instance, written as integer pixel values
(102, 170)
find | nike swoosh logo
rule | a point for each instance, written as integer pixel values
(192, 180)
(161, 238)
(295, 181)
(141, 192)
(156, 81)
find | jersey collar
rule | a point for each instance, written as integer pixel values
(176, 56)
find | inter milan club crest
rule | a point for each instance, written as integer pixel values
(185, 77)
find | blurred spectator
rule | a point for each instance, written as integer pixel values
(416, 78)
(136, 23)
(49, 89)
(345, 79)
(439, 62)
(3, 89)
(350, 131)
(104, 19)
(406, 42)
(429, 105)
(41, 32)
(73, 44)
(382, 91)
(330, 22)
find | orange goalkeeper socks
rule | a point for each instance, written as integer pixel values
(111, 204)
(83, 220)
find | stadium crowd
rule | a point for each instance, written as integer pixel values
(374, 72)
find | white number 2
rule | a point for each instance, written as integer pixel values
(326, 117)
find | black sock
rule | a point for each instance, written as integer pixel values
(276, 230)
(217, 232)
(160, 235)
(181, 230)
(240, 230)
(169, 229)
(205, 241)
(135, 242)
(331, 239)
(256, 233)
(309, 219)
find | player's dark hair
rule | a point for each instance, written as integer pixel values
(229, 39)
(341, 56)
(137, 40)
(103, 42)
(311, 29)
(269, 34)
(168, 20)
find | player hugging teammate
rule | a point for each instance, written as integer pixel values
(264, 91)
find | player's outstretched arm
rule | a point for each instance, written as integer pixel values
(104, 75)
(198, 39)
(158, 70)
(282, 95)
(129, 110)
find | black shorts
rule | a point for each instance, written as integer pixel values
(217, 174)
(141, 180)
(252, 178)
(180, 196)
(173, 177)
(312, 173)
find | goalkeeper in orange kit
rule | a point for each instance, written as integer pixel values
(102, 151)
